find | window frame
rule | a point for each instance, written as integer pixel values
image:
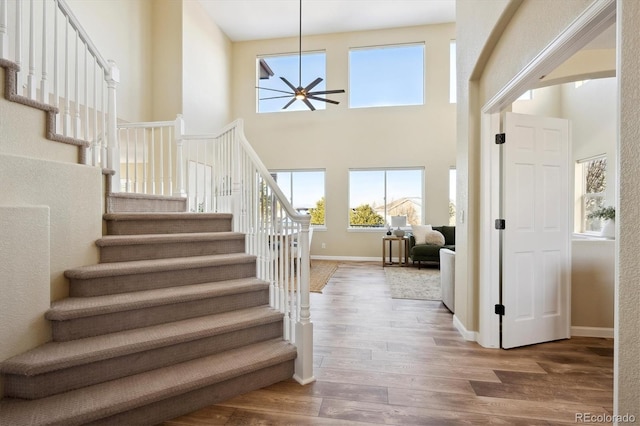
(385, 47)
(420, 169)
(261, 63)
(582, 196)
(274, 173)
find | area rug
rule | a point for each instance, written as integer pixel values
(411, 283)
(320, 274)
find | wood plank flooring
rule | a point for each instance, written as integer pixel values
(401, 362)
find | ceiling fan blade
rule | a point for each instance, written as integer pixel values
(289, 103)
(275, 97)
(315, 98)
(308, 104)
(325, 92)
(313, 84)
(294, 88)
(273, 90)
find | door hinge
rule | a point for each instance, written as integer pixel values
(499, 309)
(501, 138)
(501, 224)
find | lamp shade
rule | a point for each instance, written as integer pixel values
(398, 221)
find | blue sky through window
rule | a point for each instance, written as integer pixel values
(313, 66)
(303, 188)
(386, 76)
(378, 76)
(378, 188)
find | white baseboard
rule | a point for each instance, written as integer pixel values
(348, 258)
(471, 336)
(592, 332)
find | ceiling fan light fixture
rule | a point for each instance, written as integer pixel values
(304, 94)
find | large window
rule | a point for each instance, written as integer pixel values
(591, 185)
(377, 194)
(305, 191)
(271, 68)
(386, 76)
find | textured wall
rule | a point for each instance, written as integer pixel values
(24, 280)
(627, 373)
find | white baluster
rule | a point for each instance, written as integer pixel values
(86, 93)
(66, 126)
(44, 85)
(4, 36)
(112, 138)
(76, 97)
(18, 52)
(178, 135)
(145, 160)
(161, 169)
(169, 159)
(31, 77)
(135, 161)
(152, 161)
(56, 71)
(96, 142)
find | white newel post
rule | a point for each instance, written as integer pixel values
(304, 327)
(113, 148)
(179, 135)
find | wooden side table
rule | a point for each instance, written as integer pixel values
(403, 248)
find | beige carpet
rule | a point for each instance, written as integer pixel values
(321, 272)
(412, 283)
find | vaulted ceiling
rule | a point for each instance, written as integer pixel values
(245, 20)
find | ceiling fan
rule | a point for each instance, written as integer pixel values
(304, 94)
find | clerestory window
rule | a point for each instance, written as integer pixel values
(386, 76)
(270, 68)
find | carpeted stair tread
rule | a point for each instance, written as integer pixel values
(79, 307)
(156, 265)
(118, 240)
(109, 398)
(57, 355)
(164, 216)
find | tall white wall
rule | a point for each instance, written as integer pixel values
(340, 138)
(206, 75)
(121, 31)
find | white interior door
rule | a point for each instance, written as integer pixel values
(536, 240)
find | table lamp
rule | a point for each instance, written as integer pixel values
(398, 222)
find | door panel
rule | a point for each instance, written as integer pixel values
(536, 241)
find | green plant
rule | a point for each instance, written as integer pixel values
(603, 213)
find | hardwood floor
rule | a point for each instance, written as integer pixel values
(401, 362)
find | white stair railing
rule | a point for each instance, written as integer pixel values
(148, 163)
(58, 65)
(224, 174)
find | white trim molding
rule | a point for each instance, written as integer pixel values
(471, 336)
(602, 332)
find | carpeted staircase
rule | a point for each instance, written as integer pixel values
(171, 320)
